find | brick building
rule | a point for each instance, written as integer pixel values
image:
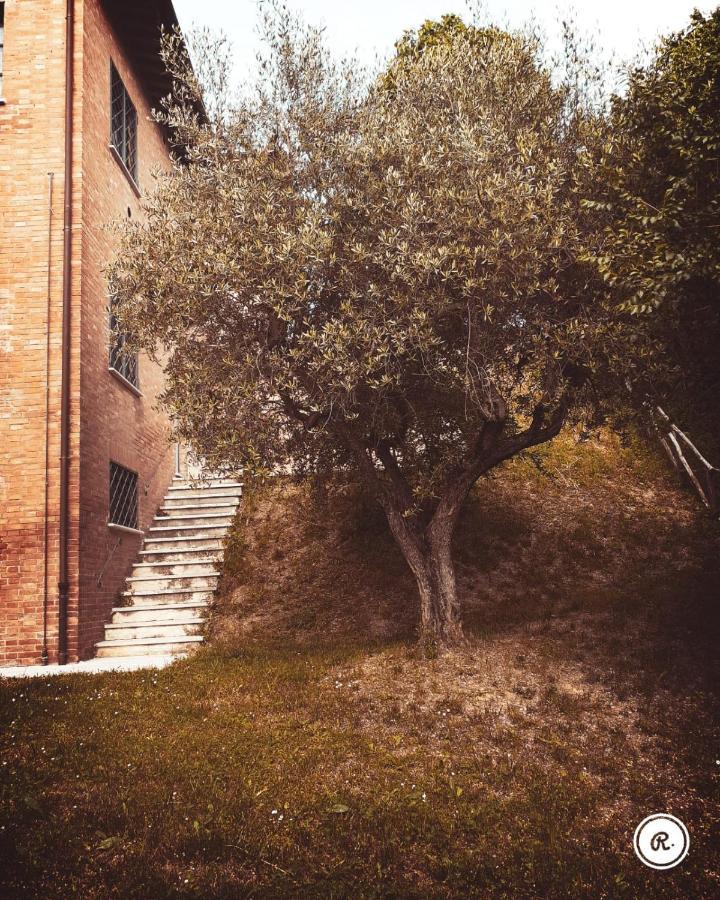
(85, 456)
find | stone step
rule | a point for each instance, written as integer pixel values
(172, 543)
(158, 611)
(168, 595)
(153, 628)
(194, 516)
(189, 527)
(209, 500)
(211, 484)
(150, 573)
(180, 519)
(186, 557)
(193, 493)
(147, 646)
(180, 567)
(153, 583)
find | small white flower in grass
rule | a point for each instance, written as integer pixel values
(274, 812)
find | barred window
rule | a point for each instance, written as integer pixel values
(122, 360)
(123, 496)
(123, 123)
(2, 45)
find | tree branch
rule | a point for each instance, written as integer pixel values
(541, 429)
(397, 479)
(489, 454)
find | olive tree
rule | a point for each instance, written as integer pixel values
(373, 274)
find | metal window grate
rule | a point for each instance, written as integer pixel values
(122, 360)
(123, 123)
(123, 496)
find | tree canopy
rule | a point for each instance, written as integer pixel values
(656, 185)
(381, 276)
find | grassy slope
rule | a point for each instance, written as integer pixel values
(309, 752)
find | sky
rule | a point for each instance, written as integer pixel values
(370, 28)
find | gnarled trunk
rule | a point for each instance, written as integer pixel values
(439, 613)
(425, 536)
(429, 556)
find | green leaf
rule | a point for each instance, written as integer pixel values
(109, 842)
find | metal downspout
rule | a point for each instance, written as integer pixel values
(45, 657)
(63, 583)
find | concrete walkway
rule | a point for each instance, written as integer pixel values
(90, 666)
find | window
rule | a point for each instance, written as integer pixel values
(122, 361)
(123, 497)
(123, 123)
(2, 44)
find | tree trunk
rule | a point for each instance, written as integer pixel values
(427, 547)
(429, 556)
(439, 614)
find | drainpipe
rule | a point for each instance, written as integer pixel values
(45, 657)
(63, 584)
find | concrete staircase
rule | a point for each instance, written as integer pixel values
(176, 573)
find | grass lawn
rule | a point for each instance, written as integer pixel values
(308, 751)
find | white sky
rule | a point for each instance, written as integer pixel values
(371, 27)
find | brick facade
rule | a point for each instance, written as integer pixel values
(108, 420)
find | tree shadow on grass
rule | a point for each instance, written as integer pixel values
(620, 576)
(629, 585)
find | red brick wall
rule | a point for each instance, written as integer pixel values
(115, 423)
(31, 146)
(107, 421)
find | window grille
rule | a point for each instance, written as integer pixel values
(2, 45)
(123, 496)
(122, 360)
(123, 123)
